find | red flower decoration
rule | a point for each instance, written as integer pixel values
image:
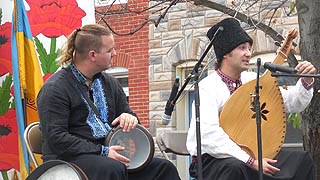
(54, 18)
(9, 153)
(5, 49)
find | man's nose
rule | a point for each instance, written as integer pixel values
(114, 53)
(248, 52)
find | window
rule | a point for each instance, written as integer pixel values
(122, 75)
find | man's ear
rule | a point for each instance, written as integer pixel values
(92, 54)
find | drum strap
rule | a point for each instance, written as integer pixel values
(89, 101)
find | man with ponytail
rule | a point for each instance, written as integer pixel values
(72, 129)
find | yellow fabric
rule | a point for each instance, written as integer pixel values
(29, 72)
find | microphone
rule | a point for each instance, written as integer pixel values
(166, 117)
(220, 28)
(212, 33)
(213, 38)
(279, 68)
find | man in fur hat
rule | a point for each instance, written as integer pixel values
(222, 158)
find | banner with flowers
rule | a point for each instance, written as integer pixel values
(51, 21)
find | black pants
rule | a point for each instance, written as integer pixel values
(103, 168)
(294, 165)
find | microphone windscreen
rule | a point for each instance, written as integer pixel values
(165, 119)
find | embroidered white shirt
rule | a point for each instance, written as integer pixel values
(213, 95)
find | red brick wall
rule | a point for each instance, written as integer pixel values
(136, 47)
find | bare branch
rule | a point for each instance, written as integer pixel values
(125, 34)
(252, 18)
(244, 18)
(174, 2)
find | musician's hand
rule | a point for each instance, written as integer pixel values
(127, 122)
(266, 166)
(113, 153)
(305, 67)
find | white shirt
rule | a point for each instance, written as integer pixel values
(213, 95)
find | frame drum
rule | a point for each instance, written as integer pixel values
(57, 169)
(138, 143)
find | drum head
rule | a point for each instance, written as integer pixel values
(60, 171)
(57, 169)
(138, 143)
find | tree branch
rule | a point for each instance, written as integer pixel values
(252, 22)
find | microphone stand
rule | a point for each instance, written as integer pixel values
(295, 75)
(195, 73)
(256, 105)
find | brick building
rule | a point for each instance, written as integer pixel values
(132, 52)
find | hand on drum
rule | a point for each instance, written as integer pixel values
(127, 122)
(113, 153)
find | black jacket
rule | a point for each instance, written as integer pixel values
(63, 114)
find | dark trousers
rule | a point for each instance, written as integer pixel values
(103, 168)
(294, 165)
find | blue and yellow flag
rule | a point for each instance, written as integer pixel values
(27, 77)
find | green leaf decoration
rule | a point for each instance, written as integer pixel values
(42, 55)
(48, 61)
(5, 94)
(295, 119)
(4, 175)
(53, 64)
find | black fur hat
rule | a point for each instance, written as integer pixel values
(232, 36)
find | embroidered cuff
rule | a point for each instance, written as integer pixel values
(250, 161)
(104, 151)
(306, 85)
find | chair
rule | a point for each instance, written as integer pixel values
(173, 142)
(32, 138)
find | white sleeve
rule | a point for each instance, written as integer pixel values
(296, 98)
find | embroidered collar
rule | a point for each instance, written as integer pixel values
(232, 84)
(82, 78)
(98, 124)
